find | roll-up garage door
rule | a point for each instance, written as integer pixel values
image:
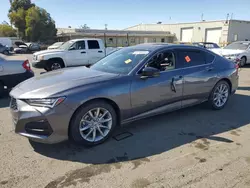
(186, 34)
(213, 35)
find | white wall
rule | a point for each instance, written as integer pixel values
(199, 29)
(239, 30)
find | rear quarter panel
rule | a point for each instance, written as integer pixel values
(11, 66)
(226, 70)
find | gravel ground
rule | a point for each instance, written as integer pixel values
(194, 147)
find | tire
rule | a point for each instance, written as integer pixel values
(2, 90)
(223, 98)
(54, 65)
(83, 115)
(6, 52)
(243, 61)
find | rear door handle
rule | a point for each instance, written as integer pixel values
(83, 52)
(100, 51)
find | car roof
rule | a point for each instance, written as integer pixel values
(242, 42)
(158, 46)
(75, 40)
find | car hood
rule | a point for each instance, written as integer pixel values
(222, 51)
(56, 82)
(45, 52)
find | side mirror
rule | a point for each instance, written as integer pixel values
(150, 72)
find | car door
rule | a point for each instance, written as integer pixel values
(95, 53)
(198, 74)
(158, 94)
(77, 54)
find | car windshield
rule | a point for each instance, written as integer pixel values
(238, 46)
(66, 45)
(121, 61)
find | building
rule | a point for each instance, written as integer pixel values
(116, 38)
(221, 32)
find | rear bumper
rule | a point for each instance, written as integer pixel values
(39, 64)
(12, 80)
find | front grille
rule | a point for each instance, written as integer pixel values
(13, 104)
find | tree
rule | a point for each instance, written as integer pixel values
(7, 31)
(17, 4)
(85, 26)
(18, 19)
(33, 23)
(39, 25)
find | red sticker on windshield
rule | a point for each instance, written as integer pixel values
(187, 58)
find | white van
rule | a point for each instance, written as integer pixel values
(5, 41)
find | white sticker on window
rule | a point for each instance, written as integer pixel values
(140, 52)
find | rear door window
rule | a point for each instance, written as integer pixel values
(190, 58)
(93, 44)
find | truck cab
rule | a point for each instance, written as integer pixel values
(77, 52)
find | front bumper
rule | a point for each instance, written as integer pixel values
(41, 124)
(39, 64)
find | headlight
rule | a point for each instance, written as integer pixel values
(50, 103)
(40, 58)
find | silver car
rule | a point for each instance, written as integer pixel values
(12, 72)
(86, 104)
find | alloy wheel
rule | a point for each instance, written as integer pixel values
(55, 66)
(95, 124)
(221, 94)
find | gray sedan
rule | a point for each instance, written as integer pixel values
(86, 104)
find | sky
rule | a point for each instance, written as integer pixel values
(120, 14)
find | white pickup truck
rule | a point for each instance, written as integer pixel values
(77, 52)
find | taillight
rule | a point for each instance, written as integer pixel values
(26, 65)
(237, 68)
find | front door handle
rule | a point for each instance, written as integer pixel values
(209, 68)
(173, 87)
(100, 51)
(173, 82)
(83, 52)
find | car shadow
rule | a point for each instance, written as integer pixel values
(159, 134)
(4, 101)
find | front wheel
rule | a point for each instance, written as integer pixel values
(93, 123)
(219, 95)
(6, 52)
(54, 65)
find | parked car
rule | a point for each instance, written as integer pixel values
(207, 45)
(26, 47)
(12, 72)
(86, 104)
(4, 49)
(238, 52)
(55, 45)
(77, 52)
(6, 41)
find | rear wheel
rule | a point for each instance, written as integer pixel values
(93, 123)
(219, 95)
